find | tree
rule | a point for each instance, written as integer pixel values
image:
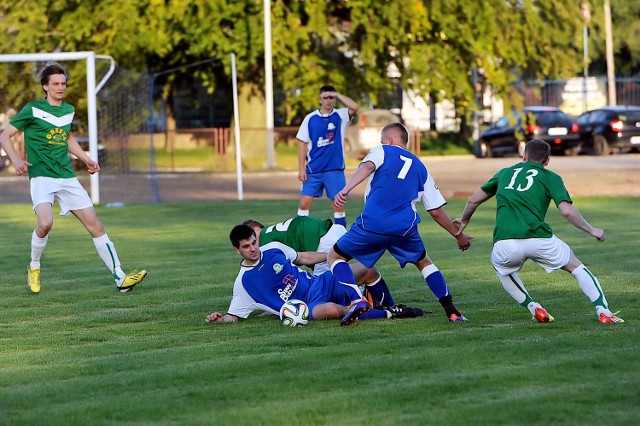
(366, 48)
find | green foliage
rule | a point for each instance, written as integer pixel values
(80, 353)
(431, 47)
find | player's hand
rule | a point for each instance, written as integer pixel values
(464, 241)
(598, 234)
(302, 176)
(340, 199)
(460, 224)
(21, 167)
(214, 317)
(92, 166)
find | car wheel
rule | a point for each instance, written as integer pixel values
(481, 149)
(572, 151)
(600, 146)
(520, 148)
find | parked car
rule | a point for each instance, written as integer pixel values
(509, 135)
(363, 133)
(612, 128)
(84, 144)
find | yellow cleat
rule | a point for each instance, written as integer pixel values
(131, 280)
(33, 280)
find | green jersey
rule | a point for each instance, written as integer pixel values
(301, 233)
(46, 132)
(523, 194)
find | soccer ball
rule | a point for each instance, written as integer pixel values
(294, 313)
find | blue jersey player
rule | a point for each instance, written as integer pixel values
(321, 151)
(269, 276)
(389, 221)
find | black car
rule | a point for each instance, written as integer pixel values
(509, 135)
(612, 128)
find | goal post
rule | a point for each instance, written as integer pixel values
(92, 90)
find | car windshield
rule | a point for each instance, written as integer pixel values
(630, 115)
(551, 118)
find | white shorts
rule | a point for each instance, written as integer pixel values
(551, 254)
(326, 242)
(69, 193)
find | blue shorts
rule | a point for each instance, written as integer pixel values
(324, 289)
(332, 182)
(367, 247)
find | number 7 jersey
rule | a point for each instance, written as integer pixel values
(399, 181)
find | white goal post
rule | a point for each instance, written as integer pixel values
(92, 90)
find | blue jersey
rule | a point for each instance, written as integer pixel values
(324, 136)
(270, 283)
(399, 181)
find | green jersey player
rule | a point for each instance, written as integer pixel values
(523, 193)
(46, 124)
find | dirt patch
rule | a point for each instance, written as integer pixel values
(457, 177)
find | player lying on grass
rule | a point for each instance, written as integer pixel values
(305, 233)
(523, 194)
(269, 277)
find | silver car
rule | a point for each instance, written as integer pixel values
(363, 133)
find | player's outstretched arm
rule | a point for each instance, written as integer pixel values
(310, 258)
(476, 199)
(363, 172)
(442, 218)
(573, 215)
(218, 317)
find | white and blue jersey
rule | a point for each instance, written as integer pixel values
(267, 285)
(399, 181)
(389, 220)
(270, 283)
(324, 136)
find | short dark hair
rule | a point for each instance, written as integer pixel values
(398, 127)
(327, 88)
(253, 223)
(239, 233)
(537, 150)
(50, 69)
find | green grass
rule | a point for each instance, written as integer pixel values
(79, 353)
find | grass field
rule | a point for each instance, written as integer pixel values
(79, 353)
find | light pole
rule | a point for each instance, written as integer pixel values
(268, 83)
(584, 7)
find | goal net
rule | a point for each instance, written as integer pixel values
(149, 150)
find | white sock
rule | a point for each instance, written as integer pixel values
(107, 252)
(590, 286)
(37, 247)
(303, 212)
(515, 287)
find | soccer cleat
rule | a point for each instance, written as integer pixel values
(457, 318)
(541, 315)
(355, 310)
(33, 280)
(404, 311)
(609, 319)
(131, 280)
(372, 300)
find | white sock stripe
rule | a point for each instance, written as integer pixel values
(429, 270)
